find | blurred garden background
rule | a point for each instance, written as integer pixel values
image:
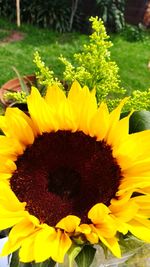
(61, 27)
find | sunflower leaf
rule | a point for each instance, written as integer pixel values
(86, 256)
(47, 263)
(22, 264)
(139, 121)
(73, 252)
(14, 259)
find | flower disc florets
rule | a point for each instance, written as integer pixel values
(60, 170)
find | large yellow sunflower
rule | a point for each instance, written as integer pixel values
(70, 170)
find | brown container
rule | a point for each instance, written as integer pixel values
(14, 85)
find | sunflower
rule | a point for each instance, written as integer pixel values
(71, 170)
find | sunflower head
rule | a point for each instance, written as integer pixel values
(70, 174)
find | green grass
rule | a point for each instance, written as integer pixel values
(3, 34)
(132, 58)
(49, 44)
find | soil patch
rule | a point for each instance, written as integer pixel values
(14, 36)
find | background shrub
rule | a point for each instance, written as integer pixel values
(112, 13)
(66, 15)
(59, 15)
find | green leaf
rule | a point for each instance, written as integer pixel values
(47, 263)
(139, 121)
(73, 252)
(86, 256)
(22, 264)
(129, 243)
(23, 85)
(14, 259)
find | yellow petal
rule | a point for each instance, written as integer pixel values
(99, 123)
(5, 176)
(114, 118)
(7, 165)
(103, 222)
(138, 167)
(136, 147)
(145, 190)
(111, 243)
(12, 210)
(97, 213)
(8, 199)
(57, 100)
(140, 230)
(120, 201)
(66, 117)
(8, 218)
(143, 203)
(17, 235)
(41, 113)
(84, 105)
(26, 252)
(10, 147)
(132, 185)
(43, 242)
(84, 228)
(49, 243)
(4, 126)
(125, 212)
(69, 223)
(28, 120)
(121, 226)
(18, 126)
(55, 96)
(121, 130)
(115, 114)
(60, 246)
(92, 238)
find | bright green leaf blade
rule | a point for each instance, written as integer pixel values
(72, 253)
(86, 256)
(139, 121)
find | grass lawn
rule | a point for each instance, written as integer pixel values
(49, 44)
(132, 58)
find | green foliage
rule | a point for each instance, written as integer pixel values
(55, 14)
(92, 66)
(133, 33)
(112, 13)
(134, 73)
(16, 97)
(8, 9)
(44, 75)
(3, 34)
(139, 100)
(85, 256)
(139, 121)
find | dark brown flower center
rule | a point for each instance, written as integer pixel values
(65, 173)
